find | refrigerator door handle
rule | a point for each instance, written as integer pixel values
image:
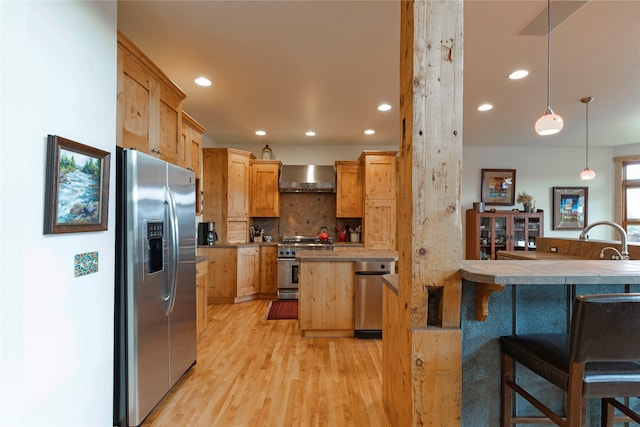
(174, 255)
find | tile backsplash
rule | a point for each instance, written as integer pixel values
(304, 214)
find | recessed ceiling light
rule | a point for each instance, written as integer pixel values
(485, 107)
(310, 133)
(519, 74)
(384, 107)
(260, 133)
(369, 132)
(203, 81)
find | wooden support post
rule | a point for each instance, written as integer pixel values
(426, 376)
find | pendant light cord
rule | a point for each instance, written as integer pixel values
(548, 55)
(587, 121)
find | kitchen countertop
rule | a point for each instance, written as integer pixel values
(347, 256)
(551, 272)
(537, 255)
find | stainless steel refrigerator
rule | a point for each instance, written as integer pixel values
(155, 289)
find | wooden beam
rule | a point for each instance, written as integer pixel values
(429, 217)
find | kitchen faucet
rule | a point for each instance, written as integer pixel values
(610, 248)
(624, 253)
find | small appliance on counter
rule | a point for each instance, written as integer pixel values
(207, 233)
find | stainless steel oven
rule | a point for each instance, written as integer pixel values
(288, 266)
(287, 278)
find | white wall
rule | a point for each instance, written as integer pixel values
(538, 170)
(305, 154)
(58, 76)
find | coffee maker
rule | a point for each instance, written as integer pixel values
(207, 233)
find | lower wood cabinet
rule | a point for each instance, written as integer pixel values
(325, 302)
(268, 271)
(233, 273)
(201, 296)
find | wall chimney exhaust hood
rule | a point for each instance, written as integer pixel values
(307, 179)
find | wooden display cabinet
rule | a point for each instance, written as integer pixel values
(490, 232)
(265, 196)
(349, 195)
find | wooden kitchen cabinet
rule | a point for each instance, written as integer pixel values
(201, 295)
(232, 274)
(490, 232)
(248, 271)
(225, 184)
(190, 153)
(326, 293)
(349, 197)
(379, 199)
(268, 271)
(149, 105)
(265, 196)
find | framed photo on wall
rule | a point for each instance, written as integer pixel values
(570, 208)
(77, 187)
(498, 186)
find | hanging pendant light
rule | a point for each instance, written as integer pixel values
(587, 173)
(550, 123)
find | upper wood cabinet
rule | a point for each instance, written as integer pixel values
(225, 183)
(379, 194)
(265, 197)
(349, 196)
(379, 168)
(149, 105)
(190, 153)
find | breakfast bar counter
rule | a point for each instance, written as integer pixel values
(524, 296)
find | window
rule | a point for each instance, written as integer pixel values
(629, 195)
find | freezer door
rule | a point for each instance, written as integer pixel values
(182, 318)
(146, 289)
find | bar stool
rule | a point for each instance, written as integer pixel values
(599, 358)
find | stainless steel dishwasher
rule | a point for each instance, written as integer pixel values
(368, 297)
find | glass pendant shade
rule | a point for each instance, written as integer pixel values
(587, 174)
(549, 124)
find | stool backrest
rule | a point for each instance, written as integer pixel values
(605, 327)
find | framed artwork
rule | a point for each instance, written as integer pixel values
(498, 186)
(77, 187)
(570, 208)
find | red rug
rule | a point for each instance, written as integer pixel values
(283, 309)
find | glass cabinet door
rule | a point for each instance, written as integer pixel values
(493, 236)
(525, 232)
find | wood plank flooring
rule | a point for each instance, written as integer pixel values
(256, 372)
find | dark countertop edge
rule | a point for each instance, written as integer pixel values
(548, 272)
(391, 281)
(350, 256)
(236, 245)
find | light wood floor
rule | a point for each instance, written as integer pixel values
(256, 372)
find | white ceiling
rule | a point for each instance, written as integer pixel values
(292, 66)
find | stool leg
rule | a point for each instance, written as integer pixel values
(607, 414)
(506, 393)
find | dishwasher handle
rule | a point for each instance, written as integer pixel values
(374, 267)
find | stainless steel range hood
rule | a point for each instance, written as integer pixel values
(307, 178)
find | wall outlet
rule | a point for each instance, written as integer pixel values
(553, 249)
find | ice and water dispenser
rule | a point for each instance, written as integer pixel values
(155, 232)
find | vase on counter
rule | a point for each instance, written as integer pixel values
(528, 207)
